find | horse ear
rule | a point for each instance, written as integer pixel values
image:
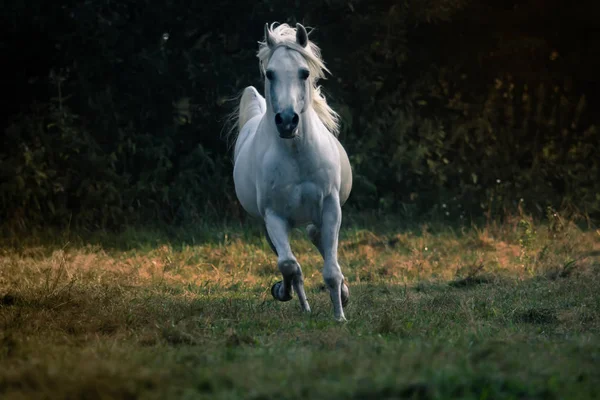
(301, 35)
(268, 37)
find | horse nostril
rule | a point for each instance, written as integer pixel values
(278, 119)
(295, 119)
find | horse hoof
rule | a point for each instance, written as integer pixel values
(341, 319)
(275, 292)
(345, 295)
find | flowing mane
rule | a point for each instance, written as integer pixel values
(285, 35)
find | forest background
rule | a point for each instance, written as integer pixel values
(457, 109)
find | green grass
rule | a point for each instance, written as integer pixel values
(507, 311)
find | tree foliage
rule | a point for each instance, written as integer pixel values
(458, 107)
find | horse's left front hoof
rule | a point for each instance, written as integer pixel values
(345, 295)
(276, 290)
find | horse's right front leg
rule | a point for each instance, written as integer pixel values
(314, 235)
(278, 231)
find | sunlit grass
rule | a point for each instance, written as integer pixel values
(505, 310)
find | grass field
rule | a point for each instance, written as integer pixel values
(508, 311)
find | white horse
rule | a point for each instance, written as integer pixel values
(289, 167)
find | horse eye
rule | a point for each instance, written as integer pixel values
(270, 75)
(304, 74)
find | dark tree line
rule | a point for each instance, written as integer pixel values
(115, 109)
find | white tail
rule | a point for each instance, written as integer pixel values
(252, 104)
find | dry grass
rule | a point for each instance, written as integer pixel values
(505, 311)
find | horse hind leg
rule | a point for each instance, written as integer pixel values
(277, 235)
(314, 235)
(271, 245)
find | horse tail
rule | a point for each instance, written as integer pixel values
(252, 104)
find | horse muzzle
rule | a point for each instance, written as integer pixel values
(287, 124)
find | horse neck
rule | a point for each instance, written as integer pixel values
(311, 124)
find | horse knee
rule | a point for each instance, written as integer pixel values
(289, 268)
(333, 279)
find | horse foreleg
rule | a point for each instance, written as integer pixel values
(331, 221)
(278, 234)
(315, 237)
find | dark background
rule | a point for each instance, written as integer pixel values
(114, 111)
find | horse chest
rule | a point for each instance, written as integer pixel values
(296, 190)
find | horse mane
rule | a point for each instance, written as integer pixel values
(285, 35)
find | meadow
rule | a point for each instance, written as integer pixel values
(506, 310)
